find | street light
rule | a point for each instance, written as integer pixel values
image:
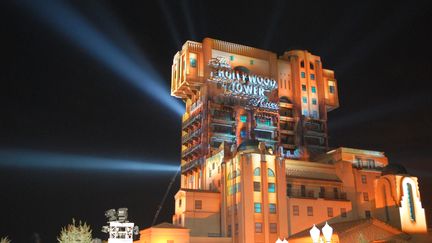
(315, 234)
(327, 232)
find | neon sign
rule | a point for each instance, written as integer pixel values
(243, 85)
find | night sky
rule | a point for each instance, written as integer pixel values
(58, 98)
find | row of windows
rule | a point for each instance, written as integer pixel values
(258, 208)
(271, 186)
(310, 211)
(272, 226)
(270, 172)
(313, 88)
(303, 75)
(311, 66)
(305, 100)
(258, 228)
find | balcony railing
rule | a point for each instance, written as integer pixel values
(191, 120)
(191, 135)
(193, 149)
(311, 194)
(191, 164)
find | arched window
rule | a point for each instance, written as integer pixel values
(257, 171)
(302, 64)
(411, 202)
(311, 66)
(270, 173)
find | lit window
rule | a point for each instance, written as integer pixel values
(198, 204)
(296, 211)
(243, 118)
(257, 171)
(330, 212)
(303, 87)
(231, 58)
(257, 186)
(271, 187)
(305, 113)
(272, 208)
(315, 114)
(312, 76)
(258, 227)
(243, 133)
(313, 89)
(343, 212)
(314, 101)
(303, 74)
(365, 196)
(273, 228)
(363, 179)
(411, 201)
(310, 211)
(270, 172)
(304, 100)
(257, 207)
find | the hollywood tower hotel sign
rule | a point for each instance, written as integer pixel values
(248, 89)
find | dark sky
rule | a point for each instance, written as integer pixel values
(56, 97)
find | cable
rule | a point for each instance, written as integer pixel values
(165, 196)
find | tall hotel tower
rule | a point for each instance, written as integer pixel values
(255, 161)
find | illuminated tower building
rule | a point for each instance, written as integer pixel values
(255, 162)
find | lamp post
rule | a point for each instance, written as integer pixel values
(327, 233)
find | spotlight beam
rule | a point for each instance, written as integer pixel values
(69, 23)
(28, 159)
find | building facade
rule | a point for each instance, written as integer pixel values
(255, 160)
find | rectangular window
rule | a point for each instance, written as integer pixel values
(309, 211)
(363, 179)
(243, 118)
(258, 227)
(193, 60)
(257, 186)
(304, 99)
(343, 212)
(367, 214)
(313, 89)
(180, 202)
(314, 101)
(303, 75)
(330, 212)
(312, 76)
(303, 87)
(257, 207)
(229, 231)
(251, 62)
(315, 114)
(273, 228)
(271, 187)
(303, 190)
(296, 211)
(331, 89)
(231, 58)
(236, 229)
(272, 208)
(198, 204)
(365, 196)
(289, 189)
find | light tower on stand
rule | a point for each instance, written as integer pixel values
(120, 230)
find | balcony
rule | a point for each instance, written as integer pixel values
(192, 164)
(191, 135)
(311, 194)
(196, 148)
(191, 120)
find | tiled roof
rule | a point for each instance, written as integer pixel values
(310, 174)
